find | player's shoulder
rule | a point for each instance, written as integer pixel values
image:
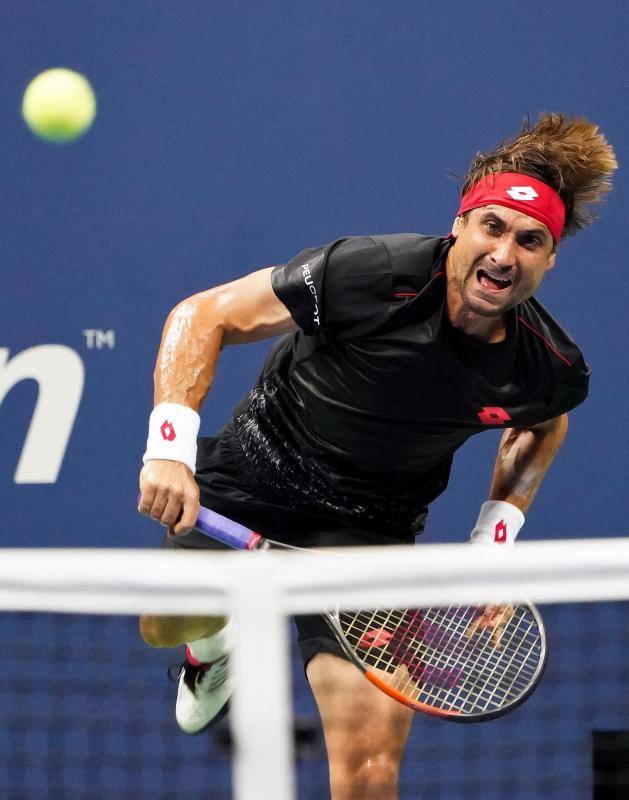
(402, 248)
(402, 243)
(537, 324)
(409, 254)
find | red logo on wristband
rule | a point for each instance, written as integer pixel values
(168, 432)
(500, 532)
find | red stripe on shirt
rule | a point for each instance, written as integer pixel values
(545, 340)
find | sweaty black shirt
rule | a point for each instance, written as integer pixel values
(358, 414)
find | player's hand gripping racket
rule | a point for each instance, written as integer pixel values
(462, 663)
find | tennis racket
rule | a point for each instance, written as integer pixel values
(462, 663)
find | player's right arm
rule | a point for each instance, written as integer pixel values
(245, 310)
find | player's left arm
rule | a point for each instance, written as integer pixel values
(524, 456)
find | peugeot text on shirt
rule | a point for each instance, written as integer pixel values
(305, 268)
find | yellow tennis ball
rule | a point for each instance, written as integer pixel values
(59, 105)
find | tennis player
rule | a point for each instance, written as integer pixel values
(395, 349)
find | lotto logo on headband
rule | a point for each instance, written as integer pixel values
(522, 193)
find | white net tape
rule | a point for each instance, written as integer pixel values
(263, 588)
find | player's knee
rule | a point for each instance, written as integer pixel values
(370, 776)
(379, 772)
(172, 631)
(159, 631)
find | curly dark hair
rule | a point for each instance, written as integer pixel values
(567, 153)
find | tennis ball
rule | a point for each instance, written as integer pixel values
(59, 105)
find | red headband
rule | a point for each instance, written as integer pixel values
(522, 193)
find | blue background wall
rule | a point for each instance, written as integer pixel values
(232, 135)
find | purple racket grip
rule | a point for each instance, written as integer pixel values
(226, 530)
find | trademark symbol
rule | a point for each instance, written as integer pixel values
(95, 338)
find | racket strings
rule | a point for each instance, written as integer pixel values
(449, 623)
(437, 695)
(517, 661)
(468, 663)
(429, 656)
(492, 691)
(485, 670)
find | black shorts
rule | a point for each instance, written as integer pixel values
(227, 488)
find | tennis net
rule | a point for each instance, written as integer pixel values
(87, 712)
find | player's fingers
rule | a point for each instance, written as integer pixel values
(190, 513)
(159, 504)
(497, 636)
(508, 614)
(147, 496)
(500, 616)
(489, 612)
(186, 523)
(172, 510)
(482, 621)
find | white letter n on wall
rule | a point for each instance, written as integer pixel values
(60, 375)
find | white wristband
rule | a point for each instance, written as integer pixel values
(498, 523)
(173, 430)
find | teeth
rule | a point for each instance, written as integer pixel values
(495, 278)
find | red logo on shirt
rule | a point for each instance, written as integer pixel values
(500, 532)
(493, 415)
(168, 432)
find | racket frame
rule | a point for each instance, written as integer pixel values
(332, 620)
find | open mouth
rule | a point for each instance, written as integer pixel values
(491, 283)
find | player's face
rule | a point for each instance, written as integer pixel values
(499, 258)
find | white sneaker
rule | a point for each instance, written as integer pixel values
(203, 693)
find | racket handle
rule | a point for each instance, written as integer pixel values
(225, 530)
